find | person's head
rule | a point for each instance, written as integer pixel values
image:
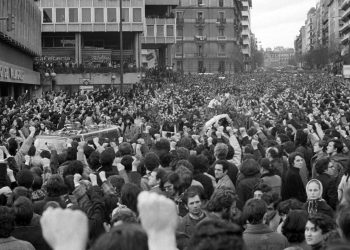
(216, 235)
(314, 189)
(122, 214)
(127, 236)
(7, 221)
(343, 222)
(107, 157)
(260, 189)
(186, 176)
(200, 163)
(125, 149)
(24, 211)
(94, 160)
(220, 151)
(74, 167)
(221, 168)
(254, 211)
(319, 146)
(317, 228)
(296, 160)
(300, 138)
(294, 226)
(272, 153)
(222, 201)
(151, 161)
(25, 178)
(129, 195)
(334, 146)
(127, 162)
(325, 165)
(193, 200)
(55, 186)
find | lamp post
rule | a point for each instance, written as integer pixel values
(121, 45)
(52, 77)
(113, 77)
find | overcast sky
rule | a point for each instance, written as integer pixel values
(277, 22)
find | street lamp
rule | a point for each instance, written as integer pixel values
(51, 76)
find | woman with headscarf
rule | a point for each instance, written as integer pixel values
(315, 204)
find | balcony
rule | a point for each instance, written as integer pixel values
(221, 20)
(245, 32)
(246, 51)
(222, 38)
(345, 5)
(345, 15)
(345, 39)
(245, 23)
(163, 31)
(345, 27)
(222, 54)
(245, 13)
(200, 38)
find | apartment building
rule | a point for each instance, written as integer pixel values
(208, 36)
(246, 33)
(81, 39)
(19, 44)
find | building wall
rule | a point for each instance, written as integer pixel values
(211, 42)
(334, 19)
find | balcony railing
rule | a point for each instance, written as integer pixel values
(200, 38)
(200, 20)
(221, 20)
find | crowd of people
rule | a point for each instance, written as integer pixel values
(251, 161)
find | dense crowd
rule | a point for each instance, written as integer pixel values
(251, 161)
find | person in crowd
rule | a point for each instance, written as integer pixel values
(315, 203)
(269, 175)
(293, 186)
(221, 169)
(7, 225)
(258, 235)
(344, 183)
(294, 228)
(325, 170)
(317, 230)
(193, 201)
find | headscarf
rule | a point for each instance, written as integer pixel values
(312, 204)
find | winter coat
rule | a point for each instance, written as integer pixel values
(292, 186)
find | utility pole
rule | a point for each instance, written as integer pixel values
(121, 46)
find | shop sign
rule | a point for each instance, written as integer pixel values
(10, 73)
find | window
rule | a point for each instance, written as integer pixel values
(200, 50)
(126, 15)
(200, 15)
(221, 67)
(86, 15)
(160, 30)
(136, 16)
(221, 32)
(150, 30)
(200, 32)
(73, 15)
(179, 14)
(47, 15)
(170, 30)
(47, 42)
(60, 15)
(200, 2)
(221, 15)
(111, 15)
(221, 48)
(200, 67)
(179, 65)
(221, 3)
(99, 15)
(179, 31)
(178, 49)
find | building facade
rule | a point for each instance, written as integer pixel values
(279, 57)
(345, 31)
(208, 36)
(81, 40)
(19, 44)
(246, 33)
